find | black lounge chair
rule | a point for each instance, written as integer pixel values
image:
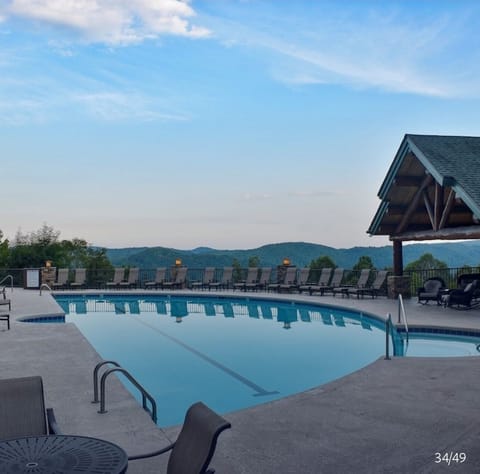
(80, 278)
(463, 298)
(226, 280)
(288, 280)
(335, 282)
(251, 280)
(264, 279)
(206, 280)
(179, 281)
(361, 283)
(431, 290)
(132, 281)
(4, 300)
(320, 285)
(298, 282)
(62, 278)
(195, 446)
(22, 409)
(118, 277)
(372, 290)
(159, 278)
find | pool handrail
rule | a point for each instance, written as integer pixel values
(401, 312)
(11, 281)
(145, 395)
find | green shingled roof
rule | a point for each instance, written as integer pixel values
(456, 157)
(452, 161)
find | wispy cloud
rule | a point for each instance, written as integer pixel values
(363, 45)
(112, 22)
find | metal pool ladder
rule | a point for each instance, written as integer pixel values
(145, 395)
(402, 313)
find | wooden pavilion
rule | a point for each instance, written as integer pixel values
(430, 192)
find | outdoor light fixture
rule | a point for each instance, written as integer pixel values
(286, 262)
(178, 262)
(48, 263)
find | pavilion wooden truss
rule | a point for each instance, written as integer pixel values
(431, 191)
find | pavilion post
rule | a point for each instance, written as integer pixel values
(397, 258)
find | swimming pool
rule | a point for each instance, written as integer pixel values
(229, 353)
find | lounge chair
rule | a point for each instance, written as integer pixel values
(361, 283)
(118, 277)
(195, 446)
(301, 280)
(372, 290)
(226, 280)
(22, 409)
(335, 282)
(179, 281)
(159, 278)
(206, 280)
(251, 280)
(5, 317)
(80, 278)
(62, 278)
(461, 298)
(4, 301)
(431, 291)
(262, 282)
(132, 281)
(320, 285)
(288, 280)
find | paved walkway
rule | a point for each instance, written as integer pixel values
(392, 416)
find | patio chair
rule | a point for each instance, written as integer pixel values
(263, 281)
(80, 278)
(461, 298)
(22, 409)
(320, 285)
(361, 283)
(335, 281)
(208, 274)
(62, 278)
(132, 281)
(4, 301)
(252, 279)
(179, 281)
(288, 280)
(5, 317)
(159, 278)
(226, 280)
(372, 290)
(195, 446)
(118, 277)
(431, 291)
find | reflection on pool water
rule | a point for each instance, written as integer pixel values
(229, 353)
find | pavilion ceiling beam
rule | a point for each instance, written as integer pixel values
(429, 208)
(406, 180)
(413, 204)
(451, 233)
(438, 205)
(447, 209)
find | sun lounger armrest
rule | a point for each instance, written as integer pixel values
(154, 453)
(52, 422)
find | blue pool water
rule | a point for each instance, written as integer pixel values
(229, 353)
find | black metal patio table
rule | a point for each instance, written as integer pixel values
(61, 454)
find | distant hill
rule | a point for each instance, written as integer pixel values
(300, 253)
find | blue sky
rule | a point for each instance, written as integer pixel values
(224, 123)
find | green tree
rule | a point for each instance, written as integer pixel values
(237, 271)
(426, 262)
(317, 264)
(254, 261)
(364, 262)
(4, 251)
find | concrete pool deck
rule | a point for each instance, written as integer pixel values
(391, 416)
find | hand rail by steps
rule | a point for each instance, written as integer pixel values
(44, 285)
(401, 312)
(118, 368)
(11, 281)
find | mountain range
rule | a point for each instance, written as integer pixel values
(301, 254)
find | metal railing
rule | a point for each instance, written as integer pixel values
(44, 286)
(145, 395)
(402, 314)
(6, 278)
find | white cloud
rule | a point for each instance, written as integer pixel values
(112, 21)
